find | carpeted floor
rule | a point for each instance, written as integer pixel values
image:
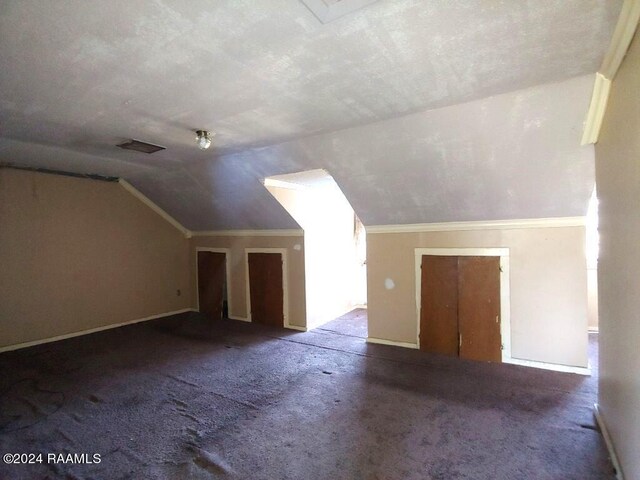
(183, 398)
(353, 324)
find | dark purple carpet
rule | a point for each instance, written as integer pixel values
(353, 323)
(182, 398)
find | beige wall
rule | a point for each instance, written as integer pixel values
(238, 283)
(77, 254)
(548, 284)
(618, 182)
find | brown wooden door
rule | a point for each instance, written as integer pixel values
(479, 308)
(266, 289)
(439, 305)
(211, 279)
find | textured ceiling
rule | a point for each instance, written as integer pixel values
(78, 77)
(511, 156)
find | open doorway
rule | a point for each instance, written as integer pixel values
(592, 248)
(334, 247)
(354, 323)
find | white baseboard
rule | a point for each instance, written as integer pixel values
(548, 366)
(296, 327)
(382, 341)
(244, 319)
(607, 440)
(18, 346)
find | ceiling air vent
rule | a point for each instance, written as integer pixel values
(139, 146)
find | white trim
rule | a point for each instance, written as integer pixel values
(479, 225)
(144, 199)
(549, 366)
(285, 281)
(296, 327)
(607, 440)
(207, 233)
(382, 341)
(91, 330)
(593, 330)
(505, 295)
(621, 39)
(597, 108)
(248, 233)
(227, 266)
(240, 319)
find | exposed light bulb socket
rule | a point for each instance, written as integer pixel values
(203, 139)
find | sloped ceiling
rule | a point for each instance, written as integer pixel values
(285, 92)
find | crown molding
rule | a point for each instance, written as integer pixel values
(481, 225)
(248, 233)
(597, 108)
(144, 199)
(620, 41)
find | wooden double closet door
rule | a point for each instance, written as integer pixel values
(460, 307)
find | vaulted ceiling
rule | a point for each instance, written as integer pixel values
(423, 111)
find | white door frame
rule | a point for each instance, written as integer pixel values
(505, 298)
(227, 266)
(285, 281)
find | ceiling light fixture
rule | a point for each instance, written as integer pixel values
(203, 139)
